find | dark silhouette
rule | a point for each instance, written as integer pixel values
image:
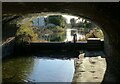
(74, 38)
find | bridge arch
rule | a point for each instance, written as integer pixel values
(106, 15)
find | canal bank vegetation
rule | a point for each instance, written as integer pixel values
(57, 20)
(52, 34)
(95, 33)
(86, 29)
(50, 28)
(58, 37)
(53, 28)
(25, 33)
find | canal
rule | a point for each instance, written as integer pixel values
(39, 67)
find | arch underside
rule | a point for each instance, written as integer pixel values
(106, 15)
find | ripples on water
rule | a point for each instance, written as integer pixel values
(40, 68)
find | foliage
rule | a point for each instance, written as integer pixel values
(95, 33)
(54, 34)
(89, 24)
(25, 34)
(58, 34)
(58, 20)
(56, 28)
(83, 24)
(99, 34)
(58, 37)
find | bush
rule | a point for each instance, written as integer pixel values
(58, 20)
(96, 33)
(56, 28)
(57, 38)
(25, 34)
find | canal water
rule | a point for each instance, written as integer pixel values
(38, 68)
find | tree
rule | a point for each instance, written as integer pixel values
(58, 37)
(86, 24)
(25, 34)
(58, 20)
(95, 33)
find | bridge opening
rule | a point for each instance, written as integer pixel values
(57, 27)
(104, 14)
(41, 32)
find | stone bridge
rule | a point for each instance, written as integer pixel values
(106, 15)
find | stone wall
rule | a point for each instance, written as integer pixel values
(8, 47)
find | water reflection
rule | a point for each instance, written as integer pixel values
(16, 69)
(40, 68)
(55, 70)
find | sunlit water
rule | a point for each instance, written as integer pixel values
(37, 69)
(48, 70)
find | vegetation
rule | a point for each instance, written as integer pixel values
(89, 29)
(57, 37)
(25, 34)
(58, 20)
(56, 29)
(95, 33)
(82, 24)
(56, 33)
